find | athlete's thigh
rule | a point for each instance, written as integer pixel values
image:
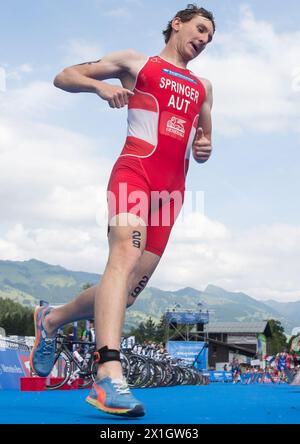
(158, 233)
(127, 235)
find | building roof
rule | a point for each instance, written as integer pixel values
(236, 327)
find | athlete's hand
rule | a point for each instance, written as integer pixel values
(201, 146)
(116, 96)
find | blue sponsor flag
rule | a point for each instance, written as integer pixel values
(189, 352)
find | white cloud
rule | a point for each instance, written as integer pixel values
(263, 261)
(52, 183)
(26, 67)
(2, 80)
(75, 248)
(18, 72)
(50, 175)
(81, 51)
(118, 12)
(252, 69)
(195, 226)
(32, 101)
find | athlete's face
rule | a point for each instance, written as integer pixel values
(193, 36)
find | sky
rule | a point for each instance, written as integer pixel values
(57, 149)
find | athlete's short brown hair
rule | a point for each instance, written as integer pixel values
(188, 14)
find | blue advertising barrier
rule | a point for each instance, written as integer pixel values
(13, 365)
(218, 376)
(189, 351)
(256, 378)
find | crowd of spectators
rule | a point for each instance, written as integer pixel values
(150, 348)
(279, 368)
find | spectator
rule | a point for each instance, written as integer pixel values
(89, 333)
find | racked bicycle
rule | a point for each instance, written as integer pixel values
(71, 365)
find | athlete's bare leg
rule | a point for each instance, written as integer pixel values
(147, 266)
(83, 306)
(127, 272)
(126, 246)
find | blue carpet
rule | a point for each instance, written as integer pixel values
(213, 404)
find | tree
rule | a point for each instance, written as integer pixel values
(139, 333)
(16, 319)
(160, 333)
(278, 341)
(149, 331)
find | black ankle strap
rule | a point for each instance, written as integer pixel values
(105, 354)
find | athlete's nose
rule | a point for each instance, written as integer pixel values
(204, 40)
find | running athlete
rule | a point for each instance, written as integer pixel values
(280, 360)
(169, 116)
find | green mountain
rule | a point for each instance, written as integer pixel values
(29, 281)
(223, 305)
(290, 310)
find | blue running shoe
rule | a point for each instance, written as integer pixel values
(114, 397)
(42, 356)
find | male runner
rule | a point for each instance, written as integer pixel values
(169, 114)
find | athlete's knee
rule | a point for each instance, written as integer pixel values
(124, 259)
(130, 301)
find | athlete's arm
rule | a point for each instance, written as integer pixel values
(202, 145)
(88, 77)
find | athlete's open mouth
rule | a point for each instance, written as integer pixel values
(194, 46)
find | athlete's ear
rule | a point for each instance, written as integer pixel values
(176, 23)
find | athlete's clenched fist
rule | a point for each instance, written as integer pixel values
(201, 146)
(116, 96)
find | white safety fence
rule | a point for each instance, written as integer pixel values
(16, 343)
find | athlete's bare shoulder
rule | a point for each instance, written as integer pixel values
(118, 64)
(132, 60)
(208, 89)
(207, 84)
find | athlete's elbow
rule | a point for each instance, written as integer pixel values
(61, 80)
(57, 82)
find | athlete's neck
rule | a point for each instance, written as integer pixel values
(172, 56)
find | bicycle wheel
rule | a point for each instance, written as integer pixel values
(87, 380)
(60, 373)
(125, 364)
(139, 371)
(167, 381)
(177, 376)
(150, 382)
(159, 374)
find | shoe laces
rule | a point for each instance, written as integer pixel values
(121, 386)
(48, 348)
